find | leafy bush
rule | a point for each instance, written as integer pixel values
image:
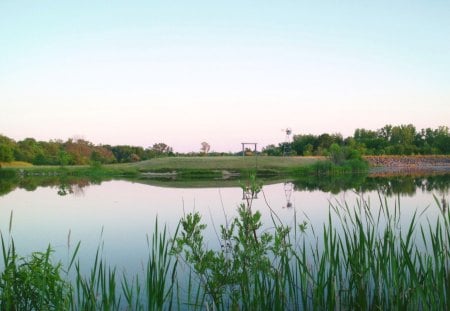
(247, 272)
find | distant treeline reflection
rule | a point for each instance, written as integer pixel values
(10, 181)
(403, 185)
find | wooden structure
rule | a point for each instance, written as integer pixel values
(255, 147)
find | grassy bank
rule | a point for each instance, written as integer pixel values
(74, 170)
(15, 164)
(224, 163)
(205, 167)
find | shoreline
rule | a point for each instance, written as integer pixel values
(232, 167)
(408, 165)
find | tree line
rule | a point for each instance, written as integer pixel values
(388, 140)
(75, 151)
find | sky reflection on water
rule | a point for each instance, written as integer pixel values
(120, 214)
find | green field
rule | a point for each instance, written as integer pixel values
(220, 163)
(186, 167)
(207, 163)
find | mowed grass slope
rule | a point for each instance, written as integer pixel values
(231, 163)
(15, 164)
(186, 166)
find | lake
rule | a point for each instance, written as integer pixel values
(118, 215)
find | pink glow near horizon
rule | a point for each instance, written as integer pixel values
(222, 73)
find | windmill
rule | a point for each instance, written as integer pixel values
(288, 187)
(287, 141)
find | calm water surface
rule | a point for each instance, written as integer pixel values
(118, 215)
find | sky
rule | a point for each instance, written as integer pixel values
(224, 72)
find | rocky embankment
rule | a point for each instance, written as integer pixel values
(395, 164)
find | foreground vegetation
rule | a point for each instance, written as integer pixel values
(364, 258)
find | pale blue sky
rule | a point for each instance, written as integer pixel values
(183, 72)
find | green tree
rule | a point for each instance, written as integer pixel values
(402, 139)
(337, 154)
(27, 150)
(6, 149)
(300, 143)
(442, 139)
(272, 150)
(372, 141)
(325, 141)
(6, 154)
(122, 153)
(64, 158)
(308, 150)
(385, 132)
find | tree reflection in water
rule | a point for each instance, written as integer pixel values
(387, 185)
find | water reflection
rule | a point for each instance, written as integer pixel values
(407, 185)
(8, 181)
(64, 185)
(75, 188)
(288, 188)
(388, 186)
(128, 209)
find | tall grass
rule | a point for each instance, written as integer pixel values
(327, 167)
(35, 283)
(366, 261)
(363, 258)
